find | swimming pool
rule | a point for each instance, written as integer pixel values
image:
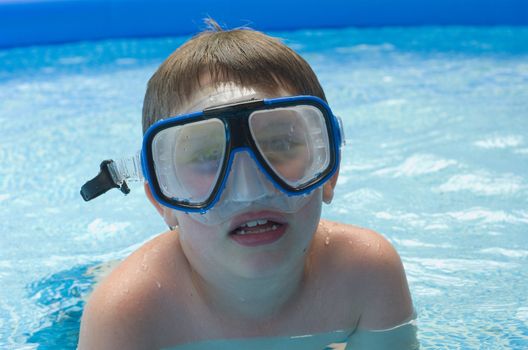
(437, 160)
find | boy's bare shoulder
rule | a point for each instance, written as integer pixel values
(353, 244)
(127, 309)
(373, 270)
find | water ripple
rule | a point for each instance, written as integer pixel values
(510, 253)
(483, 184)
(500, 142)
(417, 164)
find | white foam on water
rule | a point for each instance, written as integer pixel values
(510, 253)
(355, 200)
(417, 164)
(483, 183)
(426, 291)
(346, 168)
(522, 314)
(341, 210)
(363, 195)
(393, 102)
(52, 210)
(55, 261)
(500, 142)
(456, 265)
(436, 227)
(429, 273)
(416, 243)
(6, 264)
(442, 221)
(521, 151)
(410, 219)
(100, 226)
(4, 197)
(488, 216)
(343, 179)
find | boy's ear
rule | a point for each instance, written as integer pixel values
(328, 188)
(152, 200)
(166, 213)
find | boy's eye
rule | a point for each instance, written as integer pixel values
(281, 145)
(207, 155)
(200, 156)
(282, 150)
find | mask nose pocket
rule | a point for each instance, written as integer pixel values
(246, 182)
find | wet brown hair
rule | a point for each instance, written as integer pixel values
(244, 56)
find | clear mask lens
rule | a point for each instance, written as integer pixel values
(293, 141)
(188, 159)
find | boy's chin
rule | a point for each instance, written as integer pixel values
(277, 259)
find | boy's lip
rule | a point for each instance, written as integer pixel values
(257, 215)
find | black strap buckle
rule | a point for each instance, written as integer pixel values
(101, 183)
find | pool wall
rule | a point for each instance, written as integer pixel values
(34, 22)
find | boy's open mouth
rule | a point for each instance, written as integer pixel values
(255, 227)
(257, 232)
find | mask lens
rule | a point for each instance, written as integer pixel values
(188, 159)
(293, 141)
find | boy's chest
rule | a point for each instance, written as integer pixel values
(317, 314)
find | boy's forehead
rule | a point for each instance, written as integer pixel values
(219, 94)
(213, 93)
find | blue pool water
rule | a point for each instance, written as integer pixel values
(437, 160)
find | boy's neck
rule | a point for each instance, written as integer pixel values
(244, 299)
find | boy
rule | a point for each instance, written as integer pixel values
(240, 176)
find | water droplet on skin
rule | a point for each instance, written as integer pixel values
(327, 240)
(158, 284)
(144, 267)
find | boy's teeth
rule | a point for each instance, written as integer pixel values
(243, 232)
(256, 226)
(254, 223)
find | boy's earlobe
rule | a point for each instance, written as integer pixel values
(328, 188)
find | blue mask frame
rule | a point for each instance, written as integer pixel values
(238, 137)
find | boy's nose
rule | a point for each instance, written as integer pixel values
(246, 182)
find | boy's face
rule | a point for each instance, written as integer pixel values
(257, 239)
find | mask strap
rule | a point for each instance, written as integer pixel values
(113, 174)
